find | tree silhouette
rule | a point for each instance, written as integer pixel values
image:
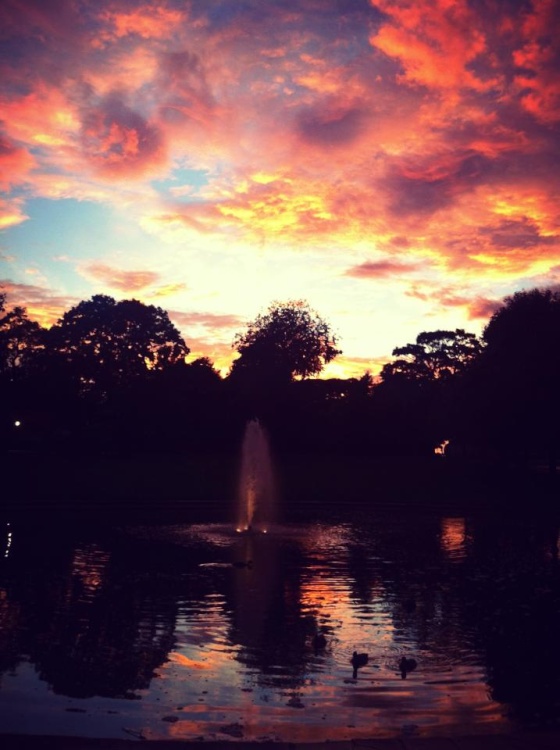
(105, 343)
(436, 356)
(290, 339)
(20, 338)
(416, 400)
(517, 381)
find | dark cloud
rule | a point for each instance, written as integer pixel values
(426, 186)
(517, 233)
(118, 140)
(185, 90)
(223, 14)
(331, 123)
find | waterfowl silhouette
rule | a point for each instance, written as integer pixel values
(319, 642)
(406, 666)
(357, 661)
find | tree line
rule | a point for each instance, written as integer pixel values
(111, 376)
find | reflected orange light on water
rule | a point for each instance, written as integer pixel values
(177, 658)
(453, 537)
(89, 564)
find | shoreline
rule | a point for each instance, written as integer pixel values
(545, 739)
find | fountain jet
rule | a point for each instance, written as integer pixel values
(257, 496)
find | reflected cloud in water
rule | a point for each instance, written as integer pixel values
(194, 630)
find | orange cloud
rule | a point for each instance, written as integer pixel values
(147, 22)
(538, 79)
(11, 212)
(43, 305)
(435, 42)
(116, 278)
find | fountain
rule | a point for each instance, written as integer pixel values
(257, 496)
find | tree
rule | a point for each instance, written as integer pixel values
(20, 338)
(104, 343)
(416, 400)
(290, 339)
(517, 380)
(436, 356)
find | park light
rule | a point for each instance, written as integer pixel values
(17, 423)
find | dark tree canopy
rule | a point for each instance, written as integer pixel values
(108, 342)
(528, 323)
(290, 338)
(436, 356)
(20, 338)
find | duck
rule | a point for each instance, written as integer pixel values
(319, 642)
(406, 665)
(357, 661)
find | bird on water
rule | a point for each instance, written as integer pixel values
(406, 665)
(357, 661)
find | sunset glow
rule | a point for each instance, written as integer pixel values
(394, 163)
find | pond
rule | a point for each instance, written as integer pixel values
(190, 630)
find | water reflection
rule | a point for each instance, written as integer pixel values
(212, 632)
(454, 537)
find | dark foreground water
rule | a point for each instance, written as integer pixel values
(194, 631)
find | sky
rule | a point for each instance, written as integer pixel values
(396, 164)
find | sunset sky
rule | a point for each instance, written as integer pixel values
(394, 163)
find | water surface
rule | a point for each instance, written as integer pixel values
(188, 630)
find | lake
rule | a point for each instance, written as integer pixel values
(187, 629)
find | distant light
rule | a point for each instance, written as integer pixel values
(17, 423)
(440, 449)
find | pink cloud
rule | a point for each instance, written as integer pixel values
(207, 320)
(43, 305)
(381, 269)
(482, 308)
(15, 163)
(118, 141)
(117, 278)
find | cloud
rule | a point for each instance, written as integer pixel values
(11, 212)
(483, 308)
(331, 122)
(474, 306)
(517, 234)
(381, 269)
(538, 61)
(117, 278)
(206, 320)
(15, 163)
(436, 43)
(117, 141)
(147, 22)
(43, 304)
(167, 290)
(327, 132)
